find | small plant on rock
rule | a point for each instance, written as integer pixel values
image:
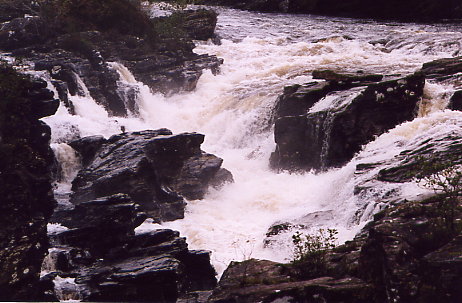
(310, 251)
(445, 179)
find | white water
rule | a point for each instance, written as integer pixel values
(262, 54)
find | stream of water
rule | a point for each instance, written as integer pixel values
(263, 53)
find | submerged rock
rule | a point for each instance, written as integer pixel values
(330, 136)
(155, 168)
(27, 200)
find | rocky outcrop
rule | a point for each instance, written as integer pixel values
(25, 183)
(412, 10)
(76, 49)
(198, 24)
(406, 254)
(442, 68)
(329, 135)
(155, 168)
(109, 262)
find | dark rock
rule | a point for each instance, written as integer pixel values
(330, 137)
(153, 279)
(21, 32)
(412, 10)
(335, 76)
(198, 24)
(163, 60)
(100, 224)
(430, 154)
(62, 89)
(154, 168)
(110, 262)
(222, 177)
(455, 103)
(442, 68)
(25, 184)
(265, 281)
(298, 99)
(87, 147)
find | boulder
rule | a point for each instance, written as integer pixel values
(25, 183)
(155, 168)
(87, 147)
(109, 262)
(330, 136)
(99, 225)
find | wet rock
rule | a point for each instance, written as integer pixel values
(266, 281)
(330, 137)
(110, 262)
(455, 103)
(155, 168)
(298, 99)
(344, 77)
(442, 68)
(25, 184)
(100, 224)
(87, 147)
(424, 159)
(166, 65)
(199, 24)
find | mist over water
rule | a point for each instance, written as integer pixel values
(263, 53)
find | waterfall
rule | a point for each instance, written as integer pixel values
(233, 110)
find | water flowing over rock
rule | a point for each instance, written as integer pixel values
(155, 168)
(78, 59)
(330, 136)
(403, 255)
(25, 183)
(109, 262)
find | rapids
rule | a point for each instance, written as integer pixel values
(263, 53)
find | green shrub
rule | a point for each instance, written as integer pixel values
(310, 251)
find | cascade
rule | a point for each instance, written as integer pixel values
(233, 110)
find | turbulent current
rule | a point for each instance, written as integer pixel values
(263, 53)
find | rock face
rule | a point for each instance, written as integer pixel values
(310, 137)
(383, 9)
(109, 262)
(25, 183)
(155, 168)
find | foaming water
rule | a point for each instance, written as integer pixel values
(263, 53)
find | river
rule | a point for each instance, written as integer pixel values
(263, 53)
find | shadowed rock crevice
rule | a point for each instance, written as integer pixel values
(25, 183)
